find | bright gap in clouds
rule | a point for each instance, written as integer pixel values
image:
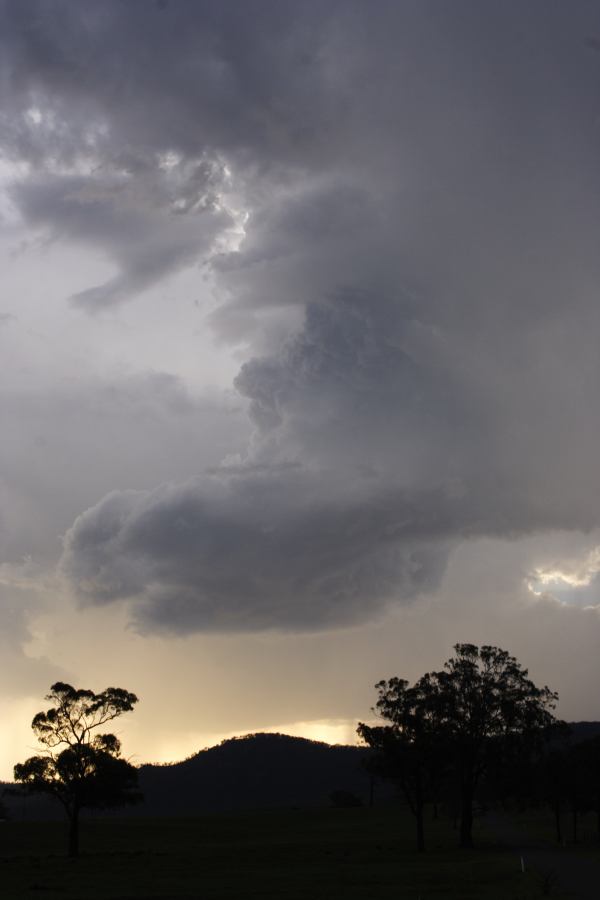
(571, 580)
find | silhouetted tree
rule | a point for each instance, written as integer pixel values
(480, 711)
(567, 778)
(581, 778)
(554, 779)
(486, 709)
(529, 773)
(408, 751)
(77, 766)
(589, 759)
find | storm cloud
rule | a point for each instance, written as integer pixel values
(397, 211)
(247, 556)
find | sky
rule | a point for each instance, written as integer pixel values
(299, 326)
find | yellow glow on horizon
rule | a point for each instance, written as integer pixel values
(172, 749)
(329, 731)
(16, 739)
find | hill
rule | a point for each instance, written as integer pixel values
(582, 731)
(258, 771)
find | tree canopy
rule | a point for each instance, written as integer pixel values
(481, 708)
(488, 709)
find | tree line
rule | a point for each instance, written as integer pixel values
(477, 731)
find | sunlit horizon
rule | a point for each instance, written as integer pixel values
(334, 731)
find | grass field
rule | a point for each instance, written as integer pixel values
(329, 854)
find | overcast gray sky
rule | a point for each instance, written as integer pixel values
(299, 326)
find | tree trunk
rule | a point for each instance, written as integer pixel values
(420, 831)
(557, 821)
(419, 815)
(466, 812)
(74, 833)
(574, 822)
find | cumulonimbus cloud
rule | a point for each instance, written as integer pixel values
(416, 283)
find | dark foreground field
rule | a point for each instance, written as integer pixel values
(299, 855)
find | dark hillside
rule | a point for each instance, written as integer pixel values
(259, 771)
(582, 731)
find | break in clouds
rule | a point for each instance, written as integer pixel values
(397, 209)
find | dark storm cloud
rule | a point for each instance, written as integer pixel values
(111, 89)
(441, 106)
(248, 556)
(374, 395)
(373, 457)
(122, 76)
(421, 188)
